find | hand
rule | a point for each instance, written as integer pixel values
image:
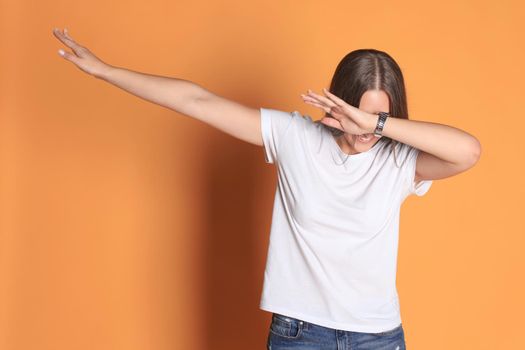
(83, 58)
(345, 117)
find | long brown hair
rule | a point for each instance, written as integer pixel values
(369, 69)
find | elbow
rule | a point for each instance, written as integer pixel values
(474, 151)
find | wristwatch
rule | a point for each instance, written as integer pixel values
(380, 123)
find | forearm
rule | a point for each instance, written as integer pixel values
(173, 93)
(446, 142)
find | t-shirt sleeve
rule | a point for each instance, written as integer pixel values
(412, 188)
(274, 124)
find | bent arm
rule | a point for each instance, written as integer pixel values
(444, 150)
(191, 99)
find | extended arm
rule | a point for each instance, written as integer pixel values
(180, 95)
(177, 94)
(191, 99)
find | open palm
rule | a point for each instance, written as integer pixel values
(81, 56)
(346, 117)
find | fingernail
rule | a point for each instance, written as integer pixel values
(61, 52)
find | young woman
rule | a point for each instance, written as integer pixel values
(330, 278)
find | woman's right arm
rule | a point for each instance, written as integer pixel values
(180, 95)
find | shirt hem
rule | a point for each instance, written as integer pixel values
(326, 323)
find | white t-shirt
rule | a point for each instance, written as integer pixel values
(332, 253)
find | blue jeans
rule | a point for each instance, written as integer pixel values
(291, 333)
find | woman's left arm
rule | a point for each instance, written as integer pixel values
(444, 150)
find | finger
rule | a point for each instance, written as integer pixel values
(333, 111)
(323, 107)
(312, 99)
(337, 117)
(332, 123)
(334, 98)
(323, 99)
(315, 101)
(66, 34)
(336, 113)
(67, 41)
(68, 56)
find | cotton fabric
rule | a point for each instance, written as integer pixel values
(332, 253)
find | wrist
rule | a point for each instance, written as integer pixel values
(104, 72)
(372, 122)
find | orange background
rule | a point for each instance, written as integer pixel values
(125, 225)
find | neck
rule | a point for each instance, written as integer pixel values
(344, 145)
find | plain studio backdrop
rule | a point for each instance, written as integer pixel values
(126, 225)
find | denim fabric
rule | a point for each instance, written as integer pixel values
(291, 333)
